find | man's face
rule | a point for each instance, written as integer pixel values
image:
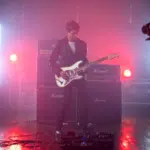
(72, 35)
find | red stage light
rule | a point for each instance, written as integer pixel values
(13, 57)
(15, 147)
(127, 73)
(125, 144)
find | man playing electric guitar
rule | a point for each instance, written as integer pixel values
(67, 52)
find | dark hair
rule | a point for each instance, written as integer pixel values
(72, 25)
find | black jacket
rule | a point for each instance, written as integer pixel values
(62, 55)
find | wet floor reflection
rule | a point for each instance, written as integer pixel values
(135, 135)
(128, 133)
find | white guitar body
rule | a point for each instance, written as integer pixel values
(73, 71)
(61, 82)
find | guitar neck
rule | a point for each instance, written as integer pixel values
(92, 63)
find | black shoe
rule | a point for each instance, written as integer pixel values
(58, 136)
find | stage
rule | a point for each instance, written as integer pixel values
(135, 132)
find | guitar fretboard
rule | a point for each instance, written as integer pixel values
(91, 63)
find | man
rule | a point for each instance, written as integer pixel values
(68, 51)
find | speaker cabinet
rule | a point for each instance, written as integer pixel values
(45, 77)
(49, 105)
(104, 100)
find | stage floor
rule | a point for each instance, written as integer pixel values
(135, 132)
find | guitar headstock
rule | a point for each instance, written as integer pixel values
(112, 56)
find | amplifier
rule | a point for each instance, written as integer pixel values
(104, 98)
(101, 72)
(45, 76)
(45, 46)
(105, 103)
(49, 105)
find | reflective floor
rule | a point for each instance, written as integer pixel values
(17, 136)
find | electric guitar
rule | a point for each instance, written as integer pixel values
(74, 72)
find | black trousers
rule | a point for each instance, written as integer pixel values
(82, 103)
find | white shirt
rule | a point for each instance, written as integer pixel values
(72, 46)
